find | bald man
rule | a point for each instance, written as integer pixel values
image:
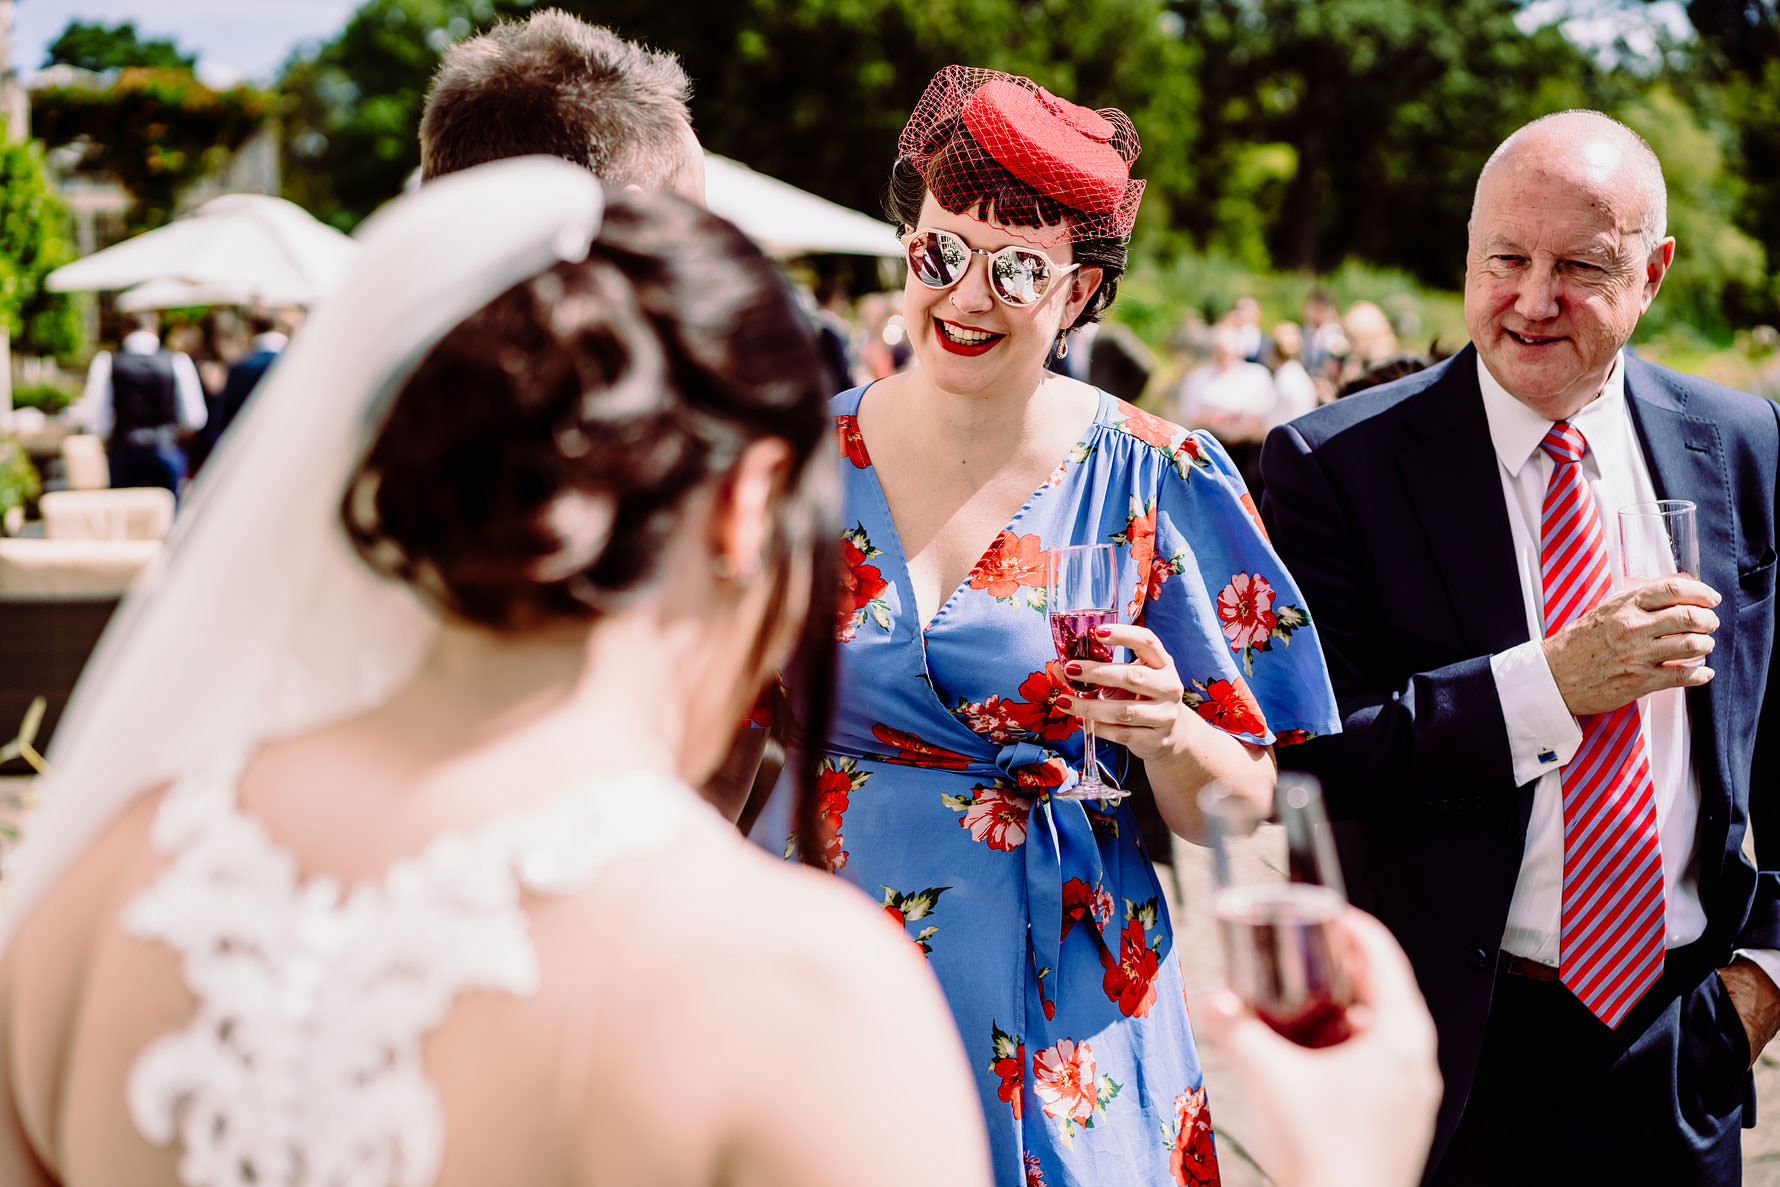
(1539, 786)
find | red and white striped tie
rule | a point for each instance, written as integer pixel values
(1612, 930)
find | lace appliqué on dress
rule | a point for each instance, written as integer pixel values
(302, 1066)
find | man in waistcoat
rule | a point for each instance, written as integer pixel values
(143, 400)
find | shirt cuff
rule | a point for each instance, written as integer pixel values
(1542, 735)
(1765, 959)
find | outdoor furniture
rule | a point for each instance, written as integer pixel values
(55, 598)
(84, 462)
(133, 513)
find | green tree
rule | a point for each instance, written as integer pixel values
(1388, 108)
(33, 242)
(93, 46)
(156, 130)
(812, 91)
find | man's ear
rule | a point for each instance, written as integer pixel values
(741, 509)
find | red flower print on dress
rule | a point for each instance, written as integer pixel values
(993, 814)
(852, 444)
(918, 751)
(1102, 906)
(862, 586)
(836, 781)
(1131, 980)
(1292, 737)
(1175, 443)
(1040, 714)
(1248, 504)
(912, 908)
(996, 718)
(1228, 704)
(1063, 1080)
(1152, 569)
(1037, 778)
(1251, 619)
(1035, 1173)
(1245, 607)
(1192, 1152)
(1078, 903)
(1009, 1063)
(1012, 563)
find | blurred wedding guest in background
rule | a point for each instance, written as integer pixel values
(1232, 399)
(144, 401)
(947, 797)
(1293, 385)
(1245, 315)
(1325, 343)
(1370, 338)
(556, 85)
(369, 853)
(268, 342)
(1545, 797)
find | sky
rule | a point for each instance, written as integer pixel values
(235, 40)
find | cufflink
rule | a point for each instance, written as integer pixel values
(1548, 756)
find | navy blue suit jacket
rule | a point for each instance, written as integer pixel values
(1387, 507)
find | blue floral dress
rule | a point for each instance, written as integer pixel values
(1043, 919)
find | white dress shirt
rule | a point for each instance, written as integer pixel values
(1542, 735)
(95, 403)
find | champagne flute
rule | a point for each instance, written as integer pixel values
(1081, 594)
(1277, 893)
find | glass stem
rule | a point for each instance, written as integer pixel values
(1090, 768)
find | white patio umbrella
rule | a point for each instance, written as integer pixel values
(255, 247)
(787, 221)
(167, 293)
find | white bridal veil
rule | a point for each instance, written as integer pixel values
(259, 620)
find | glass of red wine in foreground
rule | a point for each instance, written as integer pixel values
(1081, 595)
(1277, 893)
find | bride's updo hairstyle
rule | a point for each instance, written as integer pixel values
(996, 145)
(536, 462)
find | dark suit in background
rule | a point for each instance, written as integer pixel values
(1389, 510)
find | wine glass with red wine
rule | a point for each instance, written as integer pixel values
(1277, 894)
(1081, 594)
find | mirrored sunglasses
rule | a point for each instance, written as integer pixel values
(1017, 275)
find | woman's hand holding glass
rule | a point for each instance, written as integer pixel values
(1141, 708)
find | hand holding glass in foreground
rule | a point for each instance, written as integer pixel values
(1359, 1112)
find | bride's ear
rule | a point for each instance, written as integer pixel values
(741, 508)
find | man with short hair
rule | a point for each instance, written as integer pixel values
(143, 401)
(1538, 788)
(558, 86)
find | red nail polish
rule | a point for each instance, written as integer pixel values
(1064, 702)
(1105, 632)
(1072, 669)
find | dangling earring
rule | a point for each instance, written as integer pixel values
(1062, 344)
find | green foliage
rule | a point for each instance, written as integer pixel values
(34, 241)
(19, 482)
(352, 118)
(111, 47)
(1389, 108)
(155, 129)
(47, 398)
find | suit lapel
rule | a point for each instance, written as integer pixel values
(1686, 457)
(1450, 470)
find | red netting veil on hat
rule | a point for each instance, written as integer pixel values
(980, 137)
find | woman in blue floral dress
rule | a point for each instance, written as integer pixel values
(1042, 918)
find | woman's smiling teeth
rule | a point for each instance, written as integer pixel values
(964, 337)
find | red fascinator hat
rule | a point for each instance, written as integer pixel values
(976, 131)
